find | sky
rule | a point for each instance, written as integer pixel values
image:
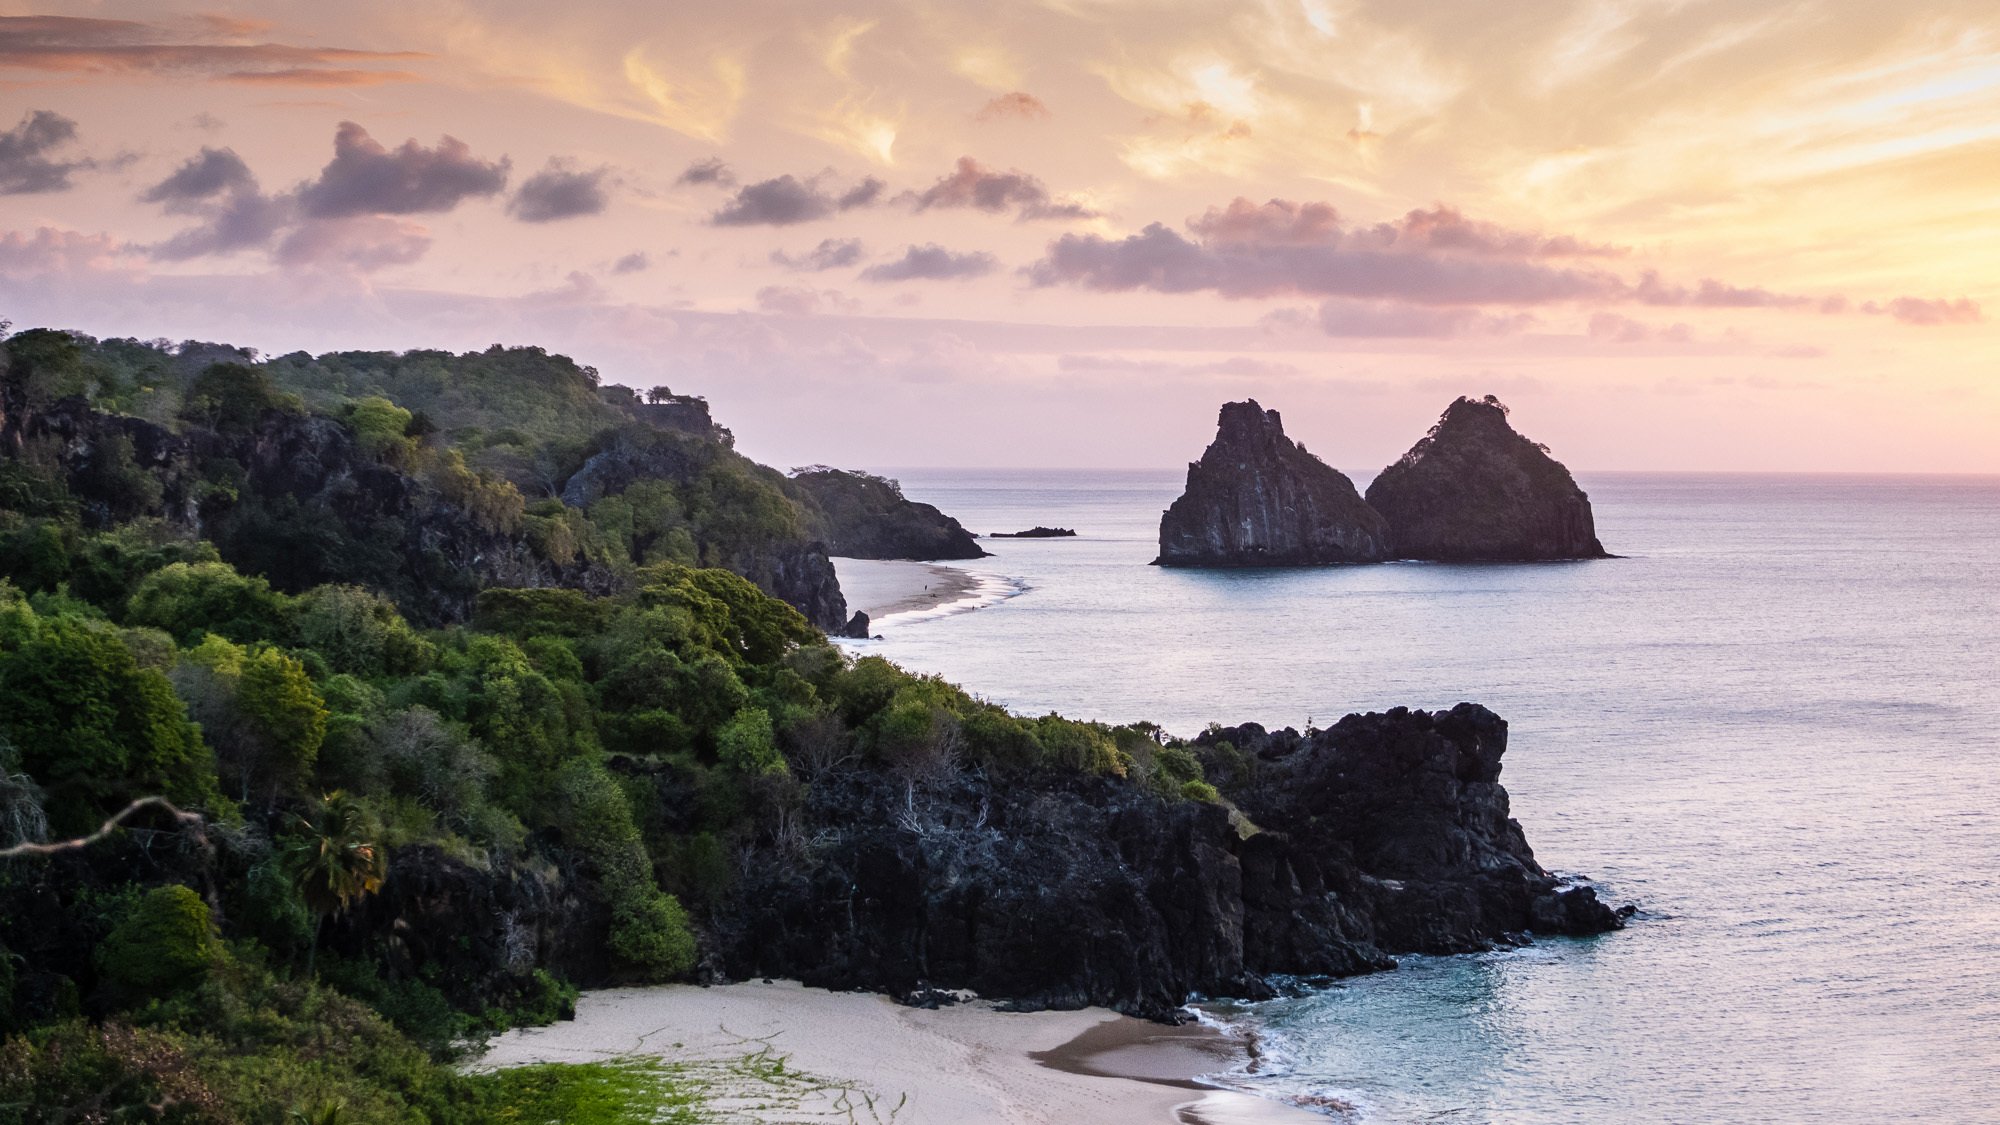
(1670, 234)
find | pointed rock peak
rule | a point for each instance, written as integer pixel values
(1488, 409)
(1244, 420)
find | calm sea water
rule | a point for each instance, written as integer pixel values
(1775, 724)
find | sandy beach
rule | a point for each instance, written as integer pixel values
(882, 587)
(862, 1057)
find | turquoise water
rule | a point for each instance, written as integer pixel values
(1775, 725)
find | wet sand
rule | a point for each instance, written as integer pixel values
(963, 1065)
(880, 587)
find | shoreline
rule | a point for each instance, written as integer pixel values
(901, 591)
(968, 1063)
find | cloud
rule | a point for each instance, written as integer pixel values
(52, 252)
(343, 219)
(830, 254)
(1162, 260)
(1616, 329)
(209, 173)
(787, 199)
(932, 262)
(635, 262)
(216, 185)
(1713, 294)
(560, 191)
(1017, 105)
(1434, 257)
(71, 45)
(1930, 311)
(361, 242)
(710, 171)
(1376, 319)
(976, 186)
(26, 166)
(365, 178)
(801, 300)
(1240, 366)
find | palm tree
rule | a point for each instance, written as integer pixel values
(334, 864)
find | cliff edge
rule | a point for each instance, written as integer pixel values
(1475, 490)
(1256, 498)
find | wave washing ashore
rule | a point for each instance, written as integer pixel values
(898, 592)
(779, 1051)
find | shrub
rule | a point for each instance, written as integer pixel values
(747, 744)
(189, 599)
(1200, 791)
(649, 931)
(164, 944)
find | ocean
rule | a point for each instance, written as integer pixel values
(1774, 724)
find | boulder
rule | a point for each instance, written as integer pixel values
(1473, 489)
(1256, 498)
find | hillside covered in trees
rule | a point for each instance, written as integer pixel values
(354, 707)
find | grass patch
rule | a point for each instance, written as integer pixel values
(628, 1092)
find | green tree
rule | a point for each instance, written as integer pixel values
(232, 397)
(95, 729)
(747, 744)
(189, 599)
(335, 860)
(165, 943)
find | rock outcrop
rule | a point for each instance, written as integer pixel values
(294, 499)
(1473, 489)
(1387, 833)
(1258, 499)
(862, 516)
(1036, 532)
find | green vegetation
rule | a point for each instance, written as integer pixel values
(281, 680)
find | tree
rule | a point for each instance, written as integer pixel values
(334, 859)
(232, 397)
(93, 728)
(164, 944)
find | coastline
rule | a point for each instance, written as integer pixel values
(901, 591)
(967, 1063)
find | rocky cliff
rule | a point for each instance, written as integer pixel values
(1258, 499)
(860, 516)
(766, 538)
(291, 498)
(1474, 489)
(1387, 833)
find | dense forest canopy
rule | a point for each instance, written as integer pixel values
(231, 614)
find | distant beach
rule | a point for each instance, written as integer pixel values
(896, 588)
(863, 1055)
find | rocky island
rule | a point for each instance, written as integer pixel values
(1256, 498)
(1475, 490)
(1036, 532)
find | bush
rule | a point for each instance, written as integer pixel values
(1200, 791)
(189, 599)
(747, 744)
(359, 631)
(165, 943)
(649, 931)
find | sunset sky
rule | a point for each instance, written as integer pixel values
(1732, 234)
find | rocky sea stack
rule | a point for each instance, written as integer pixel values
(1474, 490)
(1256, 498)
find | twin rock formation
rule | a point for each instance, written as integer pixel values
(1471, 490)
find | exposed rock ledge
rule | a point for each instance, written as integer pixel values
(1474, 489)
(1256, 498)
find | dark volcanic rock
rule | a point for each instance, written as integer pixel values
(1257, 499)
(1473, 489)
(1387, 833)
(861, 516)
(856, 627)
(1037, 532)
(293, 499)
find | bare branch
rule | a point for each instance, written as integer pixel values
(117, 821)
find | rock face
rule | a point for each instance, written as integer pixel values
(1473, 489)
(302, 505)
(1387, 833)
(861, 516)
(1257, 499)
